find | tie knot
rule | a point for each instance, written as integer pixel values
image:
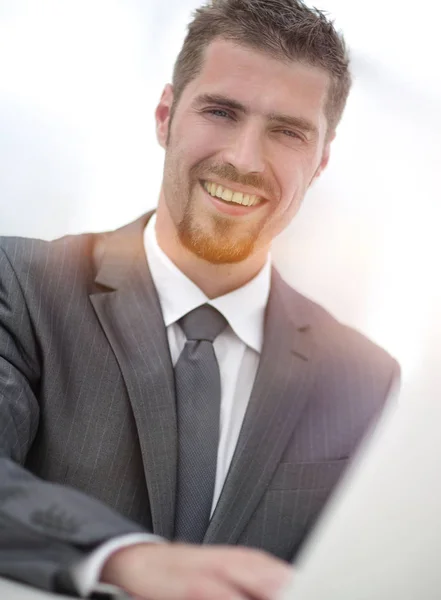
(203, 323)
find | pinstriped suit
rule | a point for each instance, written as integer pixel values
(87, 401)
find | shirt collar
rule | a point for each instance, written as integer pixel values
(178, 295)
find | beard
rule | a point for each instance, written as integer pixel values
(220, 245)
(216, 238)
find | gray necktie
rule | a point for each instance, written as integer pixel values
(198, 391)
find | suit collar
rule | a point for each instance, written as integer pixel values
(288, 311)
(281, 391)
(117, 252)
(128, 309)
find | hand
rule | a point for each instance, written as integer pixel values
(190, 572)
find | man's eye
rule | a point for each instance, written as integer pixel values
(218, 112)
(290, 133)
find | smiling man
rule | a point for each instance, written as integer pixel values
(244, 141)
(164, 394)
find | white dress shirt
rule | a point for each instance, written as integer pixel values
(237, 350)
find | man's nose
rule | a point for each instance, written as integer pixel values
(245, 151)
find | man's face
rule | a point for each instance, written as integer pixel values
(247, 138)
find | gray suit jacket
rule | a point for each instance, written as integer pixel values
(88, 437)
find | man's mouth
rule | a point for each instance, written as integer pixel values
(229, 195)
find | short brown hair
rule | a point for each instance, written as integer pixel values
(285, 29)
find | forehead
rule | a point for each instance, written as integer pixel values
(264, 84)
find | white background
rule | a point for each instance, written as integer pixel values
(79, 80)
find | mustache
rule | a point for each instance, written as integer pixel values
(227, 172)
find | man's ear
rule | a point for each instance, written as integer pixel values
(325, 158)
(162, 115)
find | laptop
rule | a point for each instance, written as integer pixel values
(379, 537)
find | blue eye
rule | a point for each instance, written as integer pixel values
(218, 112)
(289, 133)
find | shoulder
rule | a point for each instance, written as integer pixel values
(73, 255)
(337, 343)
(352, 377)
(69, 265)
(40, 259)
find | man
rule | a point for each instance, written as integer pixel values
(162, 379)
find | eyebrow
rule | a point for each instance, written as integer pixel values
(296, 122)
(221, 101)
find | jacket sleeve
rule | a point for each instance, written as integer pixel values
(45, 528)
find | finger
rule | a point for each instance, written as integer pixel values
(197, 587)
(255, 573)
(210, 588)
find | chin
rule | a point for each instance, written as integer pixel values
(205, 248)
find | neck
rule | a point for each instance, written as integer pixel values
(214, 280)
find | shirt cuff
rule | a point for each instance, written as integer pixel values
(86, 573)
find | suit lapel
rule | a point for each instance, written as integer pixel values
(128, 308)
(280, 393)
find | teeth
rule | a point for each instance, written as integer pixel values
(227, 195)
(238, 198)
(218, 191)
